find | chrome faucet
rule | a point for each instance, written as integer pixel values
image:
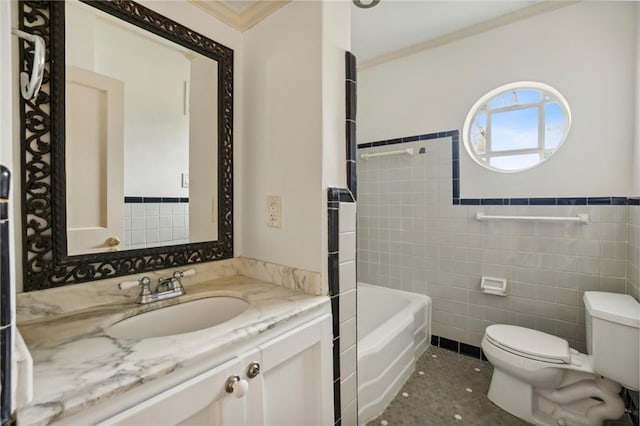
(167, 288)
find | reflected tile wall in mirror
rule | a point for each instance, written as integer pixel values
(154, 224)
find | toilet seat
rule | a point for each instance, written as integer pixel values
(529, 343)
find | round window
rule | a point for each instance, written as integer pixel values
(516, 126)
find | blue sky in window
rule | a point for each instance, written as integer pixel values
(516, 129)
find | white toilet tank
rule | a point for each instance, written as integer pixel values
(613, 336)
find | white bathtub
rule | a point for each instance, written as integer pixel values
(394, 329)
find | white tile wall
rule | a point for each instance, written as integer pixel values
(350, 414)
(347, 280)
(411, 237)
(347, 276)
(347, 247)
(348, 387)
(155, 224)
(633, 252)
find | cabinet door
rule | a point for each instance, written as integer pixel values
(200, 401)
(294, 387)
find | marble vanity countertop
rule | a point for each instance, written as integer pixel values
(77, 365)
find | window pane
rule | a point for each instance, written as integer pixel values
(514, 129)
(528, 97)
(553, 125)
(479, 133)
(514, 97)
(515, 162)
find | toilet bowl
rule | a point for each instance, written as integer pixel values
(538, 378)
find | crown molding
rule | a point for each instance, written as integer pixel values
(244, 20)
(524, 13)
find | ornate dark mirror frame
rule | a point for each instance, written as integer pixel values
(46, 263)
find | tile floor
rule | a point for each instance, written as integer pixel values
(449, 389)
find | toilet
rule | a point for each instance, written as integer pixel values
(539, 378)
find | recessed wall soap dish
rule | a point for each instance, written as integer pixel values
(494, 286)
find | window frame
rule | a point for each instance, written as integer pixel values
(545, 90)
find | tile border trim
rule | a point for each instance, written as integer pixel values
(351, 104)
(458, 347)
(139, 200)
(520, 201)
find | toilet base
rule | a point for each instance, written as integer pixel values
(571, 404)
(512, 395)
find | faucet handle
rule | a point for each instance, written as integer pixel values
(144, 281)
(187, 273)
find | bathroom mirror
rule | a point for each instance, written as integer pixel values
(139, 137)
(127, 153)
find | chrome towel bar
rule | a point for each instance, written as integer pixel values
(581, 218)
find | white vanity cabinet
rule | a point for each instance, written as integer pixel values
(199, 401)
(293, 387)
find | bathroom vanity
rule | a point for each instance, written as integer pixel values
(271, 364)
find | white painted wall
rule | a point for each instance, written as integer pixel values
(586, 51)
(336, 40)
(8, 91)
(293, 123)
(282, 125)
(636, 155)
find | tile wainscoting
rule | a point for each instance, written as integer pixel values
(416, 234)
(155, 221)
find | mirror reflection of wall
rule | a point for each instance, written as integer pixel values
(168, 123)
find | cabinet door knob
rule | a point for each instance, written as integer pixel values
(113, 241)
(236, 386)
(253, 369)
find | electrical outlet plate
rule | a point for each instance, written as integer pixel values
(274, 211)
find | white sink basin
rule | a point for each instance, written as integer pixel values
(176, 319)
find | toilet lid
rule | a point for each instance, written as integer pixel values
(529, 343)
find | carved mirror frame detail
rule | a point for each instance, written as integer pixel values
(46, 263)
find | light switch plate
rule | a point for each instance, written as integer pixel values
(185, 180)
(274, 211)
